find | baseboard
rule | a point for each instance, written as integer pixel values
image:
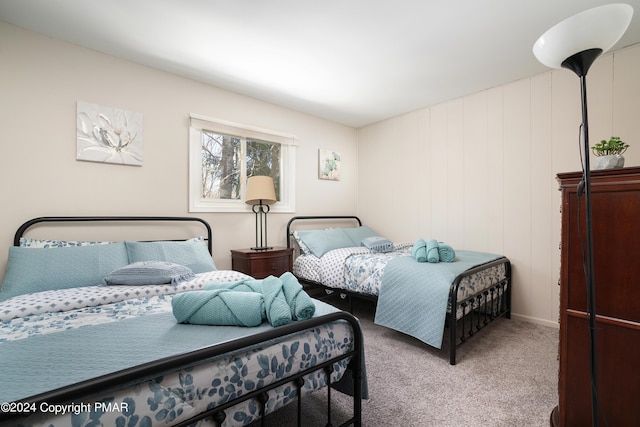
(535, 320)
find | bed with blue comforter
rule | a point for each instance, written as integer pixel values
(417, 294)
(196, 346)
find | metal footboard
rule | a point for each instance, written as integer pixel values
(478, 310)
(217, 414)
(78, 391)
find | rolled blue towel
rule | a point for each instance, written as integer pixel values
(433, 254)
(446, 252)
(419, 250)
(421, 254)
(301, 304)
(275, 303)
(245, 285)
(219, 307)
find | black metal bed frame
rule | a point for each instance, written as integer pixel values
(478, 310)
(162, 366)
(84, 219)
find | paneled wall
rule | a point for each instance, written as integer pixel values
(479, 172)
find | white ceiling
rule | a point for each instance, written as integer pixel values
(350, 61)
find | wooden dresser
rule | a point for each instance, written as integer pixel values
(616, 237)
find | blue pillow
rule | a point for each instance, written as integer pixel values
(42, 269)
(301, 245)
(320, 242)
(190, 253)
(149, 273)
(358, 234)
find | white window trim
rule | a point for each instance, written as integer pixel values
(287, 202)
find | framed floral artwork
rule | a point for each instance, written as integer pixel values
(329, 164)
(108, 135)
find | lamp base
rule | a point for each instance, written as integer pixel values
(262, 248)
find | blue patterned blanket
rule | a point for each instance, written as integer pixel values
(105, 348)
(421, 289)
(44, 350)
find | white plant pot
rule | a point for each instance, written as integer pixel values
(614, 161)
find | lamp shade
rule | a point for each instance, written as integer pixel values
(597, 28)
(260, 189)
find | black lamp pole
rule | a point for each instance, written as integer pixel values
(261, 210)
(580, 63)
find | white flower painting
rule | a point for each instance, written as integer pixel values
(108, 135)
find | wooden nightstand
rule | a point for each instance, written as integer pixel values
(263, 263)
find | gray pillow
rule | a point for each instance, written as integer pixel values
(377, 244)
(149, 273)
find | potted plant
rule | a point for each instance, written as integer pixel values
(609, 153)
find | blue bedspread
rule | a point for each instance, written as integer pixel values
(421, 289)
(44, 350)
(129, 342)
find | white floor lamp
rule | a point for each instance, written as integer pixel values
(574, 44)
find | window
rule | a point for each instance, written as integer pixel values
(222, 155)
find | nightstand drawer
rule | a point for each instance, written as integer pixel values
(263, 263)
(275, 266)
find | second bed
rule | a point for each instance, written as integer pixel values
(417, 298)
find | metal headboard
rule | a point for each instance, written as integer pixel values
(48, 219)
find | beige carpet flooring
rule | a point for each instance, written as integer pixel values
(505, 376)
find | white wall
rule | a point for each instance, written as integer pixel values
(479, 172)
(40, 81)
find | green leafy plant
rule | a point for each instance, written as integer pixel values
(607, 148)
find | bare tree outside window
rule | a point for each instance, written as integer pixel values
(220, 166)
(223, 164)
(264, 159)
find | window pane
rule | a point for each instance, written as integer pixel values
(221, 156)
(264, 158)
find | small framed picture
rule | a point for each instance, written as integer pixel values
(329, 164)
